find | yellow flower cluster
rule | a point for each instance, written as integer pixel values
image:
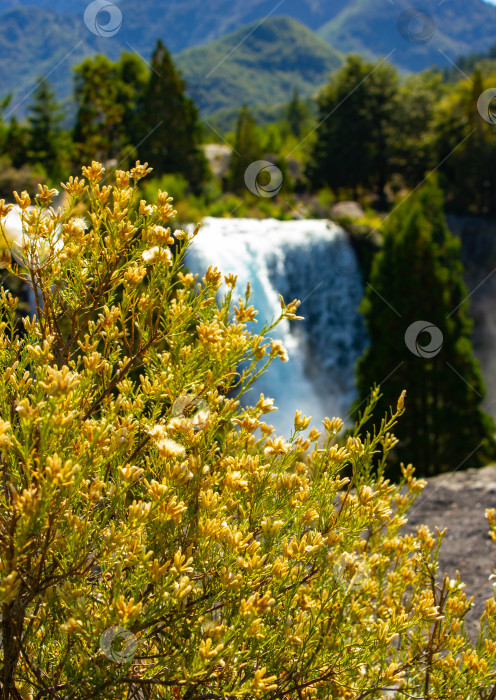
(141, 502)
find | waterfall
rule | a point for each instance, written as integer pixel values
(311, 260)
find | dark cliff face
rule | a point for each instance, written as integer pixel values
(478, 251)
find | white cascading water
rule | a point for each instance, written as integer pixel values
(311, 260)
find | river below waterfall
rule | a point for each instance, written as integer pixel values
(311, 260)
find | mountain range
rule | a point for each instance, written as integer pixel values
(232, 51)
(259, 64)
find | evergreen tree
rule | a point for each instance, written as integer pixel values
(356, 118)
(413, 154)
(4, 103)
(16, 143)
(45, 138)
(133, 77)
(109, 95)
(247, 150)
(417, 276)
(296, 114)
(97, 132)
(465, 145)
(171, 133)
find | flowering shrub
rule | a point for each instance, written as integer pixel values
(158, 540)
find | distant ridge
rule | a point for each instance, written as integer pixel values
(416, 39)
(48, 37)
(270, 60)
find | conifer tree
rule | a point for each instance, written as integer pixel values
(356, 117)
(296, 114)
(45, 137)
(109, 96)
(4, 103)
(465, 144)
(170, 128)
(417, 276)
(16, 143)
(247, 150)
(97, 131)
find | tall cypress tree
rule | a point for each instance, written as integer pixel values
(171, 131)
(417, 276)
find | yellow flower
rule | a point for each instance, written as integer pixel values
(278, 446)
(94, 172)
(59, 381)
(23, 200)
(150, 255)
(74, 186)
(169, 448)
(146, 209)
(277, 349)
(139, 171)
(5, 208)
(121, 179)
(265, 405)
(134, 275)
(45, 195)
(262, 682)
(4, 430)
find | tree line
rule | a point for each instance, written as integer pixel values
(370, 133)
(386, 134)
(378, 138)
(124, 111)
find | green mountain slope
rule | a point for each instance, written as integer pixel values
(260, 64)
(48, 37)
(453, 27)
(33, 44)
(183, 24)
(367, 26)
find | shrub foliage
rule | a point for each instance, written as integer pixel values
(157, 539)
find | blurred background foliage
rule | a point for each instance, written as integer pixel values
(389, 132)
